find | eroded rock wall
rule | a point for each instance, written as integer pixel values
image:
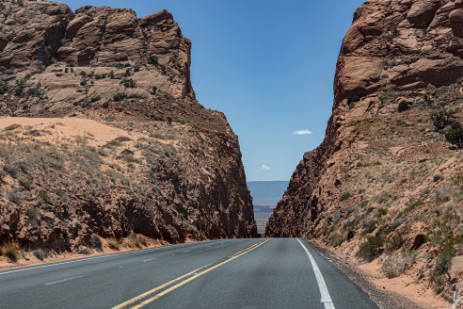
(177, 176)
(385, 181)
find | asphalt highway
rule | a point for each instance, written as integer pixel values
(241, 273)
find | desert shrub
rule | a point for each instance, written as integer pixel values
(21, 2)
(22, 165)
(345, 196)
(113, 243)
(11, 170)
(335, 239)
(135, 240)
(25, 182)
(129, 83)
(14, 196)
(441, 119)
(443, 262)
(95, 99)
(39, 253)
(35, 92)
(351, 100)
(403, 106)
(20, 84)
(84, 250)
(43, 197)
(3, 87)
(12, 127)
(153, 60)
(10, 251)
(32, 213)
(83, 82)
(437, 178)
(455, 134)
(95, 242)
(442, 195)
(123, 139)
(394, 243)
(397, 263)
(371, 248)
(119, 96)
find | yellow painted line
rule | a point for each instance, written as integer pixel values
(194, 274)
(167, 291)
(148, 293)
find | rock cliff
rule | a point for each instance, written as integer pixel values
(385, 184)
(134, 154)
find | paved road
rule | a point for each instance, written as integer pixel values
(243, 273)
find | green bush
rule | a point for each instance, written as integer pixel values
(455, 134)
(345, 196)
(403, 106)
(114, 244)
(335, 239)
(3, 87)
(119, 97)
(10, 251)
(441, 119)
(95, 242)
(12, 127)
(153, 60)
(351, 100)
(371, 248)
(443, 262)
(394, 243)
(39, 253)
(397, 263)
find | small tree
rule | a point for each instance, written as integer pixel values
(455, 134)
(441, 119)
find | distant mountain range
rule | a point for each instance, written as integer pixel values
(267, 193)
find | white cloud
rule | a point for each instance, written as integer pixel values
(264, 167)
(303, 132)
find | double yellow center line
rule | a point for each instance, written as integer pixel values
(156, 293)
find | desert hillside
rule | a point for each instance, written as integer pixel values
(102, 139)
(385, 187)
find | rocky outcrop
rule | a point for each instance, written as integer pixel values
(385, 175)
(174, 173)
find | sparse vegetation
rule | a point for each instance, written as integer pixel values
(371, 248)
(345, 196)
(153, 59)
(40, 254)
(441, 119)
(455, 134)
(95, 242)
(12, 127)
(335, 239)
(114, 244)
(443, 262)
(119, 96)
(351, 100)
(11, 252)
(403, 106)
(397, 263)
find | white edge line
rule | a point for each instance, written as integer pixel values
(63, 280)
(326, 298)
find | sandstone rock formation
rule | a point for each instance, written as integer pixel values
(385, 182)
(173, 173)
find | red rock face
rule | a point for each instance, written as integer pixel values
(377, 172)
(185, 178)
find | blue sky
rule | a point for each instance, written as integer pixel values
(267, 64)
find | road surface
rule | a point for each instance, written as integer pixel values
(242, 273)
